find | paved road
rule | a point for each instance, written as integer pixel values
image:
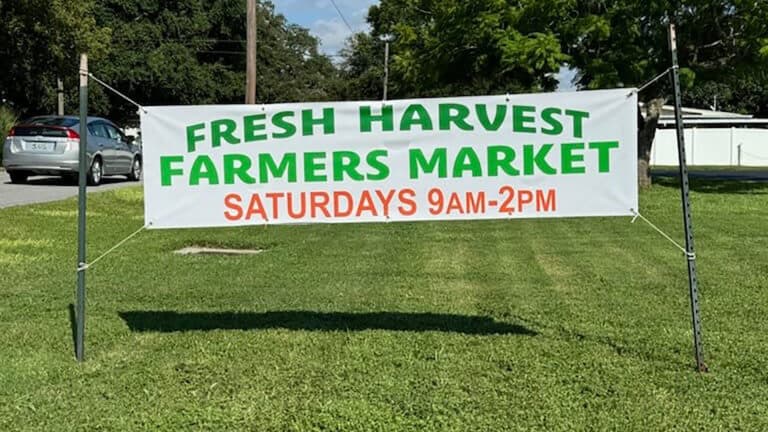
(757, 174)
(44, 189)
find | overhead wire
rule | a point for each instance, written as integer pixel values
(343, 18)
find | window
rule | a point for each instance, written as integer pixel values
(97, 129)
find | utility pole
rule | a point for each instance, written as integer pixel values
(387, 38)
(250, 78)
(60, 94)
(386, 68)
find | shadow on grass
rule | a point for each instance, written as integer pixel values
(718, 183)
(64, 181)
(169, 321)
(73, 327)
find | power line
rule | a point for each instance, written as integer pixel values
(333, 2)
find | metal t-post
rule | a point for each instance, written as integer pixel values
(684, 190)
(82, 169)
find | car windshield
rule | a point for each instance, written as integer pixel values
(52, 121)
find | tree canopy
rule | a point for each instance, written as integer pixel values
(193, 51)
(160, 52)
(449, 47)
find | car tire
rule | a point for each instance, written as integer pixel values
(96, 173)
(135, 174)
(18, 177)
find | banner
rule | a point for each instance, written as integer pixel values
(489, 157)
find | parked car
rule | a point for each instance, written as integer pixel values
(49, 145)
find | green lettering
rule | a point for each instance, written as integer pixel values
(467, 160)
(237, 165)
(252, 124)
(203, 169)
(486, 122)
(346, 162)
(193, 138)
(418, 162)
(279, 120)
(578, 121)
(520, 121)
(327, 121)
(382, 169)
(267, 166)
(537, 159)
(416, 114)
(604, 154)
(451, 113)
(556, 126)
(167, 171)
(387, 119)
(312, 165)
(223, 129)
(501, 157)
(568, 158)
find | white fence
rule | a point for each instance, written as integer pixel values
(724, 147)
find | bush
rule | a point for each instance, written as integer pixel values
(7, 119)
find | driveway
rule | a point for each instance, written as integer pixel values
(44, 189)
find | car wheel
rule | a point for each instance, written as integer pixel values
(135, 174)
(18, 177)
(96, 173)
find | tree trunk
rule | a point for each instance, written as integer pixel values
(646, 132)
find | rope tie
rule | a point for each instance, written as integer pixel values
(649, 83)
(113, 90)
(85, 266)
(690, 255)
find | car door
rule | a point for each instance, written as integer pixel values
(119, 149)
(103, 145)
(123, 153)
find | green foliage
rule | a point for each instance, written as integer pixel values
(456, 47)
(40, 40)
(158, 52)
(552, 325)
(193, 52)
(624, 43)
(7, 119)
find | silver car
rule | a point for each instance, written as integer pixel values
(49, 145)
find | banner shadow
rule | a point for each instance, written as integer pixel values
(172, 321)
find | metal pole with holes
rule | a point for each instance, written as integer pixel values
(688, 224)
(82, 170)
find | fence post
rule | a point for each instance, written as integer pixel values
(686, 203)
(82, 180)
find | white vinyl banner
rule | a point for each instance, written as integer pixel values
(487, 157)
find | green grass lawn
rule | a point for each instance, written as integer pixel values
(579, 324)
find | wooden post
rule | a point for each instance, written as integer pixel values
(251, 35)
(60, 97)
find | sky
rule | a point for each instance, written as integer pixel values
(323, 21)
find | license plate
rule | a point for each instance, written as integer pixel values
(41, 147)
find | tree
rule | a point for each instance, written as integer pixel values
(193, 52)
(624, 43)
(40, 41)
(456, 47)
